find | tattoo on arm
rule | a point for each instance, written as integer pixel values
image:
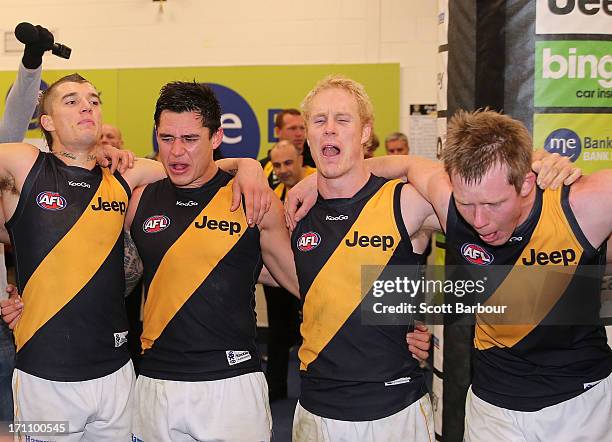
(233, 172)
(132, 263)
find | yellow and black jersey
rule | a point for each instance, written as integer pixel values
(523, 363)
(281, 191)
(351, 370)
(67, 232)
(201, 263)
(268, 169)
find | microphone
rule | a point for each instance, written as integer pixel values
(27, 33)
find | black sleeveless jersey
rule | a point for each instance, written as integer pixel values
(67, 233)
(351, 370)
(525, 364)
(201, 263)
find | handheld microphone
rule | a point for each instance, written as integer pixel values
(27, 33)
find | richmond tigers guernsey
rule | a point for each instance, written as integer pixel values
(350, 370)
(529, 367)
(67, 232)
(201, 263)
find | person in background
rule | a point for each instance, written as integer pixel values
(288, 125)
(283, 308)
(396, 143)
(111, 135)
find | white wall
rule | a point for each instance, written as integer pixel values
(135, 33)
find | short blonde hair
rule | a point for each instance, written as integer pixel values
(364, 104)
(477, 141)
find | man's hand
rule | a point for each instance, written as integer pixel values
(419, 342)
(116, 159)
(12, 307)
(251, 182)
(554, 170)
(33, 52)
(300, 199)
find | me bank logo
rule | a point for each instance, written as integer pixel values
(240, 127)
(565, 142)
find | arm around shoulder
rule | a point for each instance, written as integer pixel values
(145, 171)
(427, 176)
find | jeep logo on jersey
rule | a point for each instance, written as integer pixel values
(156, 223)
(565, 257)
(212, 224)
(308, 241)
(51, 201)
(476, 254)
(385, 241)
(115, 206)
(240, 127)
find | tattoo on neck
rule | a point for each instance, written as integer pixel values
(66, 154)
(72, 156)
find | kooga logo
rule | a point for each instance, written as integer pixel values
(587, 7)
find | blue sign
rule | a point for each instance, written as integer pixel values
(565, 142)
(240, 127)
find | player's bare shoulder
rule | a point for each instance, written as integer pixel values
(16, 161)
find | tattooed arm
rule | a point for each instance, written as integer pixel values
(132, 263)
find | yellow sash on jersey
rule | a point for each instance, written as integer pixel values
(187, 264)
(531, 292)
(336, 290)
(73, 261)
(268, 169)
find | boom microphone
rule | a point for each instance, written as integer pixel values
(27, 33)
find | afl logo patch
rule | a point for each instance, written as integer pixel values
(308, 241)
(51, 201)
(156, 223)
(476, 254)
